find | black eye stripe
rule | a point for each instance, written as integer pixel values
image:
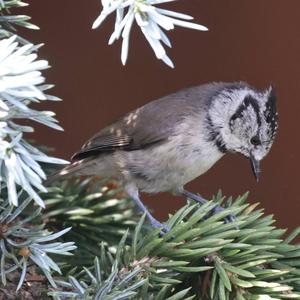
(248, 101)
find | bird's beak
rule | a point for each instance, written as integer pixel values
(255, 166)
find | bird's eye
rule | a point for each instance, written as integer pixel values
(255, 140)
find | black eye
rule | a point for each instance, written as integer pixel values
(255, 140)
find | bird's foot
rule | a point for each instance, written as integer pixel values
(156, 224)
(217, 209)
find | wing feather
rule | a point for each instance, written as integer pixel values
(152, 123)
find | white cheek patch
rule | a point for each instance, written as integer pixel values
(238, 115)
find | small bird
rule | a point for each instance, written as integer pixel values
(170, 141)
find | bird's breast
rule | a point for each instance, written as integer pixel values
(171, 165)
(196, 159)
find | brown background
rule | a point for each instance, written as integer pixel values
(256, 41)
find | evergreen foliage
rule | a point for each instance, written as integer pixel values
(200, 258)
(97, 211)
(23, 242)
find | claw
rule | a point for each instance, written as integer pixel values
(156, 224)
(230, 218)
(215, 210)
(133, 193)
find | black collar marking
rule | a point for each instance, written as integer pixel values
(215, 136)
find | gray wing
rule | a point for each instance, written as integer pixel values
(138, 129)
(152, 123)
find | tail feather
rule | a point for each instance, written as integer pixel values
(74, 169)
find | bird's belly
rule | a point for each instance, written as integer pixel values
(199, 162)
(160, 170)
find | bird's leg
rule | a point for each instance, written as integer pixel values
(133, 193)
(154, 223)
(215, 210)
(193, 196)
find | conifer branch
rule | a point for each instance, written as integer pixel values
(201, 257)
(23, 242)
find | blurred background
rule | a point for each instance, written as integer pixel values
(255, 41)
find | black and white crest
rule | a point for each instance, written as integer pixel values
(270, 113)
(244, 119)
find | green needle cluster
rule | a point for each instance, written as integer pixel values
(201, 257)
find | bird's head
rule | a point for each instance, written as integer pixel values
(249, 123)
